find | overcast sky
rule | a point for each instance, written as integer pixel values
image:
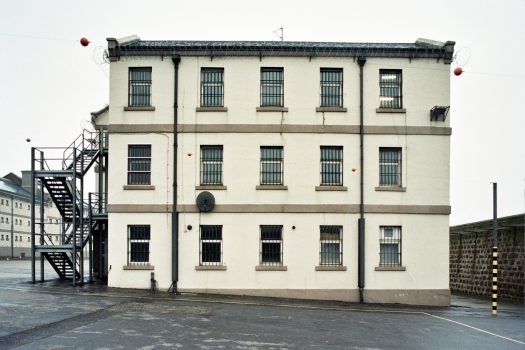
(49, 83)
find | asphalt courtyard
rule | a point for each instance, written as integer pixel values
(55, 315)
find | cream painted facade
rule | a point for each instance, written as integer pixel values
(420, 206)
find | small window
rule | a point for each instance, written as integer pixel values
(272, 87)
(331, 87)
(212, 87)
(140, 87)
(271, 245)
(28, 222)
(16, 205)
(331, 251)
(6, 202)
(390, 246)
(271, 165)
(16, 238)
(389, 166)
(331, 165)
(56, 238)
(390, 89)
(29, 207)
(2, 237)
(7, 237)
(211, 165)
(16, 221)
(210, 245)
(29, 239)
(2, 201)
(139, 164)
(138, 244)
(2, 220)
(6, 220)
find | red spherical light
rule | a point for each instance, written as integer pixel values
(84, 42)
(458, 71)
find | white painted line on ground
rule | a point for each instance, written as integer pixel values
(475, 328)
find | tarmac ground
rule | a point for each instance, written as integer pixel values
(56, 315)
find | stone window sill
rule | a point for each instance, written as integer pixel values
(331, 188)
(331, 109)
(136, 109)
(330, 268)
(391, 110)
(210, 268)
(391, 188)
(138, 267)
(212, 187)
(139, 187)
(211, 109)
(271, 187)
(272, 109)
(271, 268)
(390, 268)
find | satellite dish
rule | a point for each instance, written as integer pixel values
(205, 201)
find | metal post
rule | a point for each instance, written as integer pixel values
(33, 201)
(361, 221)
(12, 227)
(42, 218)
(74, 214)
(495, 250)
(90, 240)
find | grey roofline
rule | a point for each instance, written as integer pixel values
(96, 114)
(517, 220)
(422, 48)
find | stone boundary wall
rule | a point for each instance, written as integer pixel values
(471, 263)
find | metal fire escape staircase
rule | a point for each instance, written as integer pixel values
(61, 172)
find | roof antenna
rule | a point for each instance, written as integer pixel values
(281, 34)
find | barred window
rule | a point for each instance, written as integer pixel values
(271, 165)
(211, 165)
(2, 237)
(390, 88)
(331, 87)
(331, 249)
(138, 244)
(210, 245)
(212, 87)
(390, 166)
(271, 245)
(140, 87)
(139, 164)
(331, 165)
(390, 246)
(272, 87)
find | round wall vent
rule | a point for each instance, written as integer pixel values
(205, 201)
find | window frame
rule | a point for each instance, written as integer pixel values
(145, 257)
(145, 83)
(396, 101)
(396, 239)
(331, 162)
(212, 241)
(135, 172)
(325, 241)
(339, 84)
(216, 178)
(263, 261)
(279, 159)
(278, 82)
(385, 179)
(217, 99)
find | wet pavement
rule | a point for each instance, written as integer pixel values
(55, 315)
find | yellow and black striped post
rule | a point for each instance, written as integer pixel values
(494, 281)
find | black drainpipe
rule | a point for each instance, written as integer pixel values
(174, 213)
(361, 222)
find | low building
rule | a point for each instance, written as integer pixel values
(15, 216)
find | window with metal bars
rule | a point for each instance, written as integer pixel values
(211, 165)
(331, 248)
(272, 87)
(139, 87)
(390, 246)
(138, 244)
(331, 165)
(271, 165)
(271, 245)
(331, 87)
(390, 166)
(139, 164)
(390, 88)
(210, 245)
(212, 87)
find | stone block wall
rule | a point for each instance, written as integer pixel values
(471, 263)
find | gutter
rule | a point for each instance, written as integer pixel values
(361, 221)
(175, 214)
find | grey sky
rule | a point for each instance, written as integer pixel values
(50, 83)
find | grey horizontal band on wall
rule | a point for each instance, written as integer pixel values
(278, 128)
(284, 208)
